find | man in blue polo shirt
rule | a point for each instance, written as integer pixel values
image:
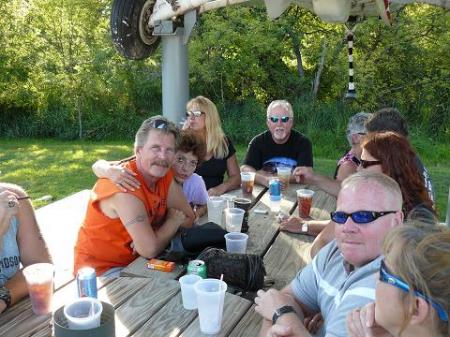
(341, 276)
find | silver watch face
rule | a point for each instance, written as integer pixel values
(5, 294)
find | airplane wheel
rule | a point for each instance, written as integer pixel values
(129, 28)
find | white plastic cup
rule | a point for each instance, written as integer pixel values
(236, 242)
(188, 292)
(216, 205)
(233, 219)
(275, 204)
(247, 182)
(39, 278)
(229, 198)
(83, 313)
(210, 299)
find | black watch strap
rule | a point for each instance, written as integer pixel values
(5, 295)
(281, 311)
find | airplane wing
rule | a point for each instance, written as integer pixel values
(340, 10)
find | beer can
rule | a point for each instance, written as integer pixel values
(197, 267)
(87, 282)
(275, 187)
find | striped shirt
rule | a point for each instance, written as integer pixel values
(328, 286)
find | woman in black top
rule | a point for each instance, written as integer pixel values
(203, 117)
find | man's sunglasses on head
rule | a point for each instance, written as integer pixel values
(194, 114)
(159, 124)
(366, 163)
(359, 217)
(275, 119)
(387, 277)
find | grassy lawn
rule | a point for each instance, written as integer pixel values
(58, 168)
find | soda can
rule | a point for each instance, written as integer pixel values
(87, 282)
(275, 187)
(197, 267)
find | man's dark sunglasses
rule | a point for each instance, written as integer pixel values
(366, 163)
(359, 217)
(387, 277)
(275, 119)
(159, 124)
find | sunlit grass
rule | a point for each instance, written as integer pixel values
(59, 168)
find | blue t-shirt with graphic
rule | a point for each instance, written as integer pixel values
(9, 253)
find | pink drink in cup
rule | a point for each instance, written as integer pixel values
(39, 279)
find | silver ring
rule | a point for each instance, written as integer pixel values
(11, 203)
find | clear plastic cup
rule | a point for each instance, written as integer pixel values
(284, 174)
(210, 299)
(188, 292)
(247, 182)
(83, 313)
(233, 219)
(39, 278)
(236, 242)
(216, 205)
(229, 198)
(304, 199)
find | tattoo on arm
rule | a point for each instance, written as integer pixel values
(139, 218)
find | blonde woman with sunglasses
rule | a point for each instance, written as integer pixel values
(413, 291)
(202, 117)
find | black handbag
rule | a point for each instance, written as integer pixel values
(243, 271)
(189, 242)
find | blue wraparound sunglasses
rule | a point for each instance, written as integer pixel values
(359, 217)
(275, 119)
(387, 277)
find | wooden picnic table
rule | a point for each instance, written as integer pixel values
(148, 303)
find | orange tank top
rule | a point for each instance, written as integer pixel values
(104, 243)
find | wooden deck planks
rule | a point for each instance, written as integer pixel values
(169, 321)
(249, 325)
(287, 255)
(234, 309)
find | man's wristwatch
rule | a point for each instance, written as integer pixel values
(281, 311)
(304, 227)
(5, 295)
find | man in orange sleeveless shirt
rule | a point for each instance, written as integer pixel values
(118, 225)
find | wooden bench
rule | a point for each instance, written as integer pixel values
(59, 223)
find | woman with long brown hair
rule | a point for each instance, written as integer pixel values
(391, 154)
